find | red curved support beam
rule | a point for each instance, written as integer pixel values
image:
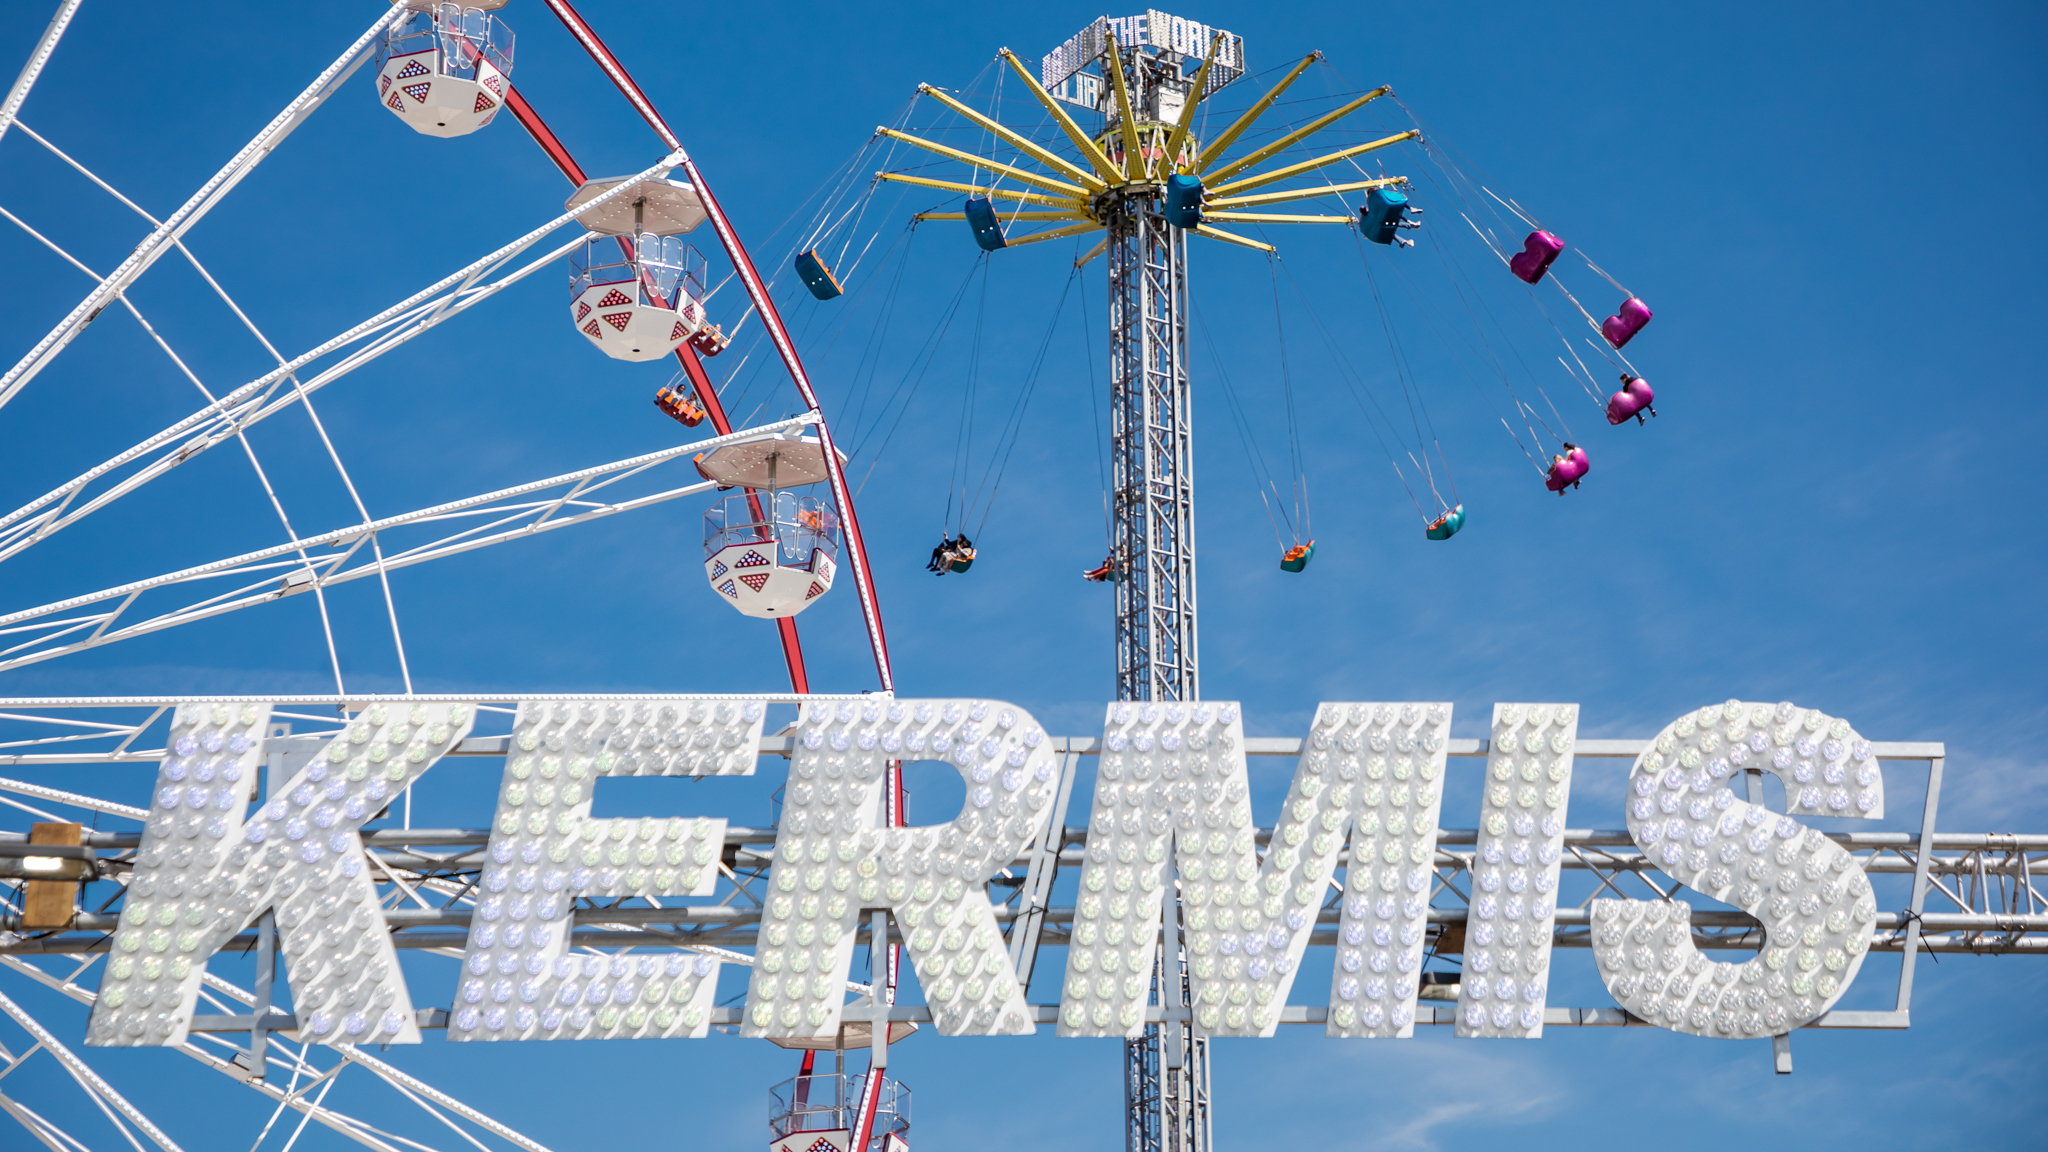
(714, 409)
(757, 292)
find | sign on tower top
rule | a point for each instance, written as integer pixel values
(1153, 29)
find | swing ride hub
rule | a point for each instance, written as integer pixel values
(1108, 205)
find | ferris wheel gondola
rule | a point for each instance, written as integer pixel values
(635, 287)
(769, 551)
(444, 69)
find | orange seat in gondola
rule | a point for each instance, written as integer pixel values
(1296, 558)
(710, 340)
(680, 403)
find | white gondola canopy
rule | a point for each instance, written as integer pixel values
(663, 207)
(444, 69)
(770, 462)
(635, 289)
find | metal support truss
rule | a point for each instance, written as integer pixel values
(10, 108)
(102, 1092)
(304, 1089)
(1152, 478)
(1152, 486)
(287, 569)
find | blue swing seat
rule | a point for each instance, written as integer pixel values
(816, 276)
(988, 231)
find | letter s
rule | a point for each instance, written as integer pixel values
(1815, 904)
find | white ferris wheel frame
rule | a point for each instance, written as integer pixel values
(95, 619)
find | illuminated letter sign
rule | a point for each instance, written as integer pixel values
(1173, 783)
(1815, 903)
(202, 875)
(1514, 873)
(519, 980)
(833, 857)
(1172, 809)
(1393, 756)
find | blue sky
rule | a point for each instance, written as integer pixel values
(1833, 212)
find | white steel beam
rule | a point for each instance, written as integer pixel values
(38, 1127)
(356, 1130)
(271, 392)
(36, 59)
(86, 1077)
(408, 1083)
(193, 210)
(59, 796)
(278, 571)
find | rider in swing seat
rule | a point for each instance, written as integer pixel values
(954, 554)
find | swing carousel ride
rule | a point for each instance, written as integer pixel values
(1162, 162)
(1124, 145)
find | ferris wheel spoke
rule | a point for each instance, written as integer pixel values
(193, 210)
(101, 1092)
(40, 1128)
(410, 1086)
(297, 1062)
(59, 796)
(326, 621)
(11, 108)
(263, 478)
(179, 243)
(257, 400)
(376, 548)
(284, 570)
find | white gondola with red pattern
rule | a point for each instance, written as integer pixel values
(444, 69)
(767, 551)
(635, 287)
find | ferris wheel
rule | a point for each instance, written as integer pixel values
(637, 293)
(780, 528)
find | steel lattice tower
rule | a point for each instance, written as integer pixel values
(1166, 1071)
(1152, 480)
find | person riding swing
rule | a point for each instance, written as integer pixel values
(954, 554)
